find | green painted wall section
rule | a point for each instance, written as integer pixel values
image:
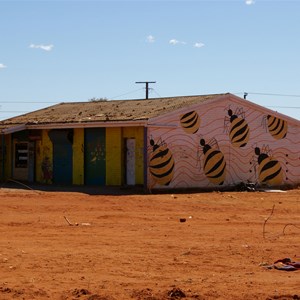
(44, 159)
(138, 134)
(114, 156)
(78, 156)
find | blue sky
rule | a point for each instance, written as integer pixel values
(61, 51)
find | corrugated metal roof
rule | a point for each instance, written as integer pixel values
(103, 111)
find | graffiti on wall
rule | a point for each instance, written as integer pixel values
(161, 163)
(190, 122)
(276, 127)
(214, 164)
(223, 146)
(96, 152)
(46, 170)
(267, 168)
(46, 164)
(238, 129)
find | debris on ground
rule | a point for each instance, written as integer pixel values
(285, 264)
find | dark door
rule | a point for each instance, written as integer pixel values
(62, 156)
(94, 156)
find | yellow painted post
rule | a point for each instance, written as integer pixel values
(44, 159)
(113, 146)
(78, 156)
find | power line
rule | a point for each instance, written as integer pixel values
(125, 94)
(152, 89)
(291, 107)
(270, 94)
(156, 93)
(12, 111)
(57, 102)
(26, 102)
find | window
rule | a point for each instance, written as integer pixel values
(21, 152)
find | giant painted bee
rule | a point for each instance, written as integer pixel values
(214, 164)
(239, 131)
(269, 168)
(161, 163)
(190, 122)
(277, 127)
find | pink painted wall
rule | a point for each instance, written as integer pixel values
(221, 143)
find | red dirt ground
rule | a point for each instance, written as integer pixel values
(136, 247)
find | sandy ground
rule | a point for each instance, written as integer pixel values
(137, 247)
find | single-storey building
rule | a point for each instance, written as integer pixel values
(207, 141)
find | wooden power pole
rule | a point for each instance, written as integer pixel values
(147, 86)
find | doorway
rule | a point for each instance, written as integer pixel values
(94, 156)
(62, 141)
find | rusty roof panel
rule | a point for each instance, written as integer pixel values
(101, 111)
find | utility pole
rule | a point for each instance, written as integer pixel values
(147, 86)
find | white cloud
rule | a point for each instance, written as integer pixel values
(150, 39)
(43, 47)
(2, 66)
(249, 2)
(198, 45)
(175, 42)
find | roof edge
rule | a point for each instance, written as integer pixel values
(13, 129)
(87, 125)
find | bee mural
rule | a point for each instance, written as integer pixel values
(214, 164)
(277, 127)
(269, 168)
(190, 122)
(239, 131)
(161, 165)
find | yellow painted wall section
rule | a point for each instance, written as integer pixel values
(8, 157)
(78, 156)
(44, 159)
(114, 165)
(138, 134)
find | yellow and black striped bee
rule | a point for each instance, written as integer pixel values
(214, 164)
(269, 168)
(239, 131)
(190, 122)
(277, 127)
(161, 163)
